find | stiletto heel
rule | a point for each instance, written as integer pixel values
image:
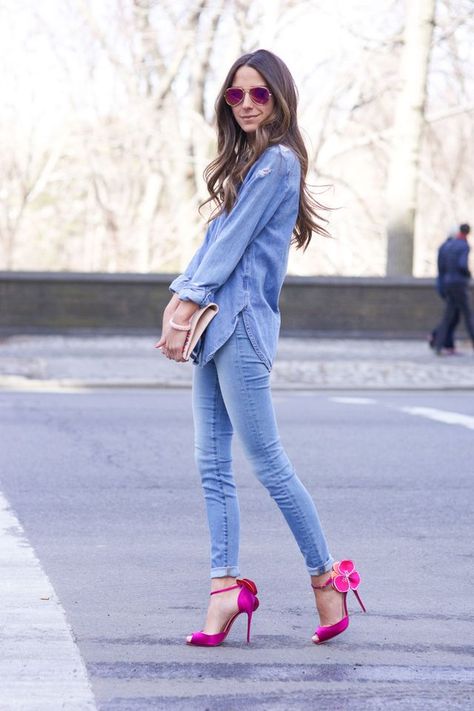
(249, 622)
(246, 602)
(344, 577)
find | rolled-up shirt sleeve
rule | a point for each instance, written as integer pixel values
(260, 195)
(178, 283)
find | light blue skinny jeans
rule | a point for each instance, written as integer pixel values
(233, 391)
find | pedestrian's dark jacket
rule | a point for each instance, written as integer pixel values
(453, 263)
(439, 279)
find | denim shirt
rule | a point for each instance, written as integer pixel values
(243, 259)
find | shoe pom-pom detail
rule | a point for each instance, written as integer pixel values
(249, 584)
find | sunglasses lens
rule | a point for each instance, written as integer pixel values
(234, 96)
(260, 94)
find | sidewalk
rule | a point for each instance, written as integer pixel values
(34, 362)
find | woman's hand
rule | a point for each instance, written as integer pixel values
(165, 327)
(172, 341)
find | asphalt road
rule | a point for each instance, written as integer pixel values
(105, 487)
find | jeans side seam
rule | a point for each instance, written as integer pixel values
(218, 473)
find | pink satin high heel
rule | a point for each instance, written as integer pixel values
(247, 602)
(344, 577)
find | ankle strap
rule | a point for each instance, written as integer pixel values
(324, 585)
(232, 587)
(240, 583)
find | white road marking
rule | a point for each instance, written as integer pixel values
(40, 665)
(448, 418)
(353, 400)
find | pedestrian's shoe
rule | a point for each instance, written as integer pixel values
(344, 577)
(247, 602)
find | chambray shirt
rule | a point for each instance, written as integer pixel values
(243, 259)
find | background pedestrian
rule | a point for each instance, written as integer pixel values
(448, 344)
(455, 277)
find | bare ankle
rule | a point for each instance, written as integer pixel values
(317, 581)
(220, 583)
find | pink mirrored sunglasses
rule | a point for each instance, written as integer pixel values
(235, 95)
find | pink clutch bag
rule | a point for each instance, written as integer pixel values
(199, 322)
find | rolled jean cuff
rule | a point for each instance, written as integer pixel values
(230, 572)
(323, 568)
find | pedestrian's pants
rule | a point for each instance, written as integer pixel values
(457, 300)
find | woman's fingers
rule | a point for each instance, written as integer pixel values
(172, 345)
(176, 353)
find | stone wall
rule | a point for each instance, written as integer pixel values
(327, 306)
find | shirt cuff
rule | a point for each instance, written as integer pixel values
(178, 283)
(193, 292)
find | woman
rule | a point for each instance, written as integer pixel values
(258, 184)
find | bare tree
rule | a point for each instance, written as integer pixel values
(112, 179)
(407, 134)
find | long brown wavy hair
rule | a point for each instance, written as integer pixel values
(236, 154)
